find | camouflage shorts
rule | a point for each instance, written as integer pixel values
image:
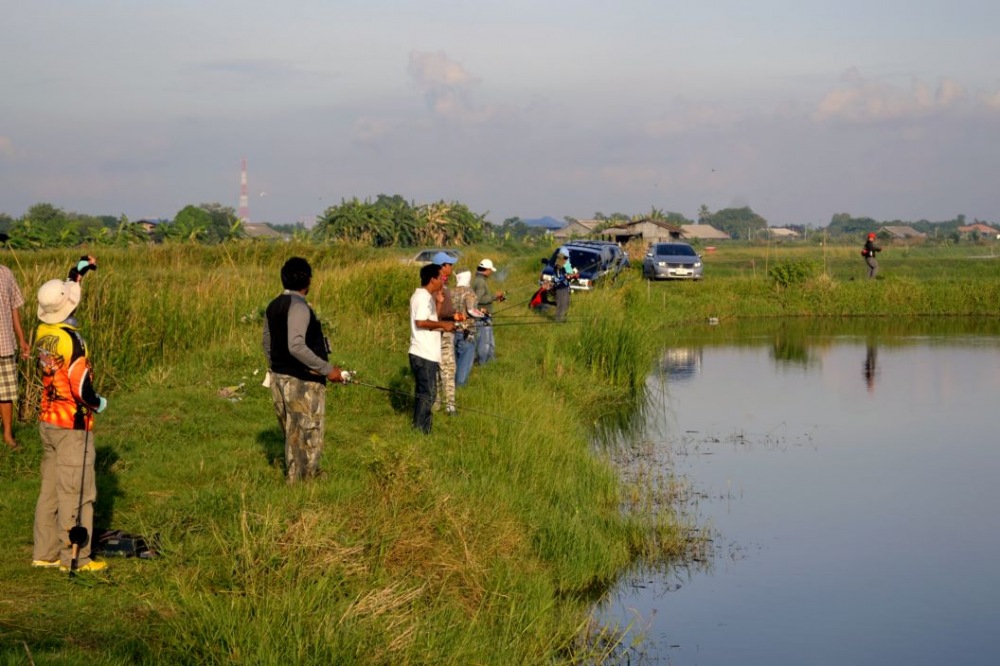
(301, 410)
(446, 373)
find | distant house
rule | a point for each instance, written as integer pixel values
(576, 229)
(702, 232)
(648, 230)
(903, 233)
(148, 225)
(781, 233)
(984, 230)
(260, 230)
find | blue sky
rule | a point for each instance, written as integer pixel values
(800, 110)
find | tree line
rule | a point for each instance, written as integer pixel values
(388, 221)
(45, 225)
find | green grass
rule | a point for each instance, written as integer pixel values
(482, 543)
(485, 542)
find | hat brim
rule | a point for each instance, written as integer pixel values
(65, 308)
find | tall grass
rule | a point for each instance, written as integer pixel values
(482, 543)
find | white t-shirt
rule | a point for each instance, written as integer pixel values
(424, 343)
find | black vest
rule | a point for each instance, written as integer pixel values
(282, 360)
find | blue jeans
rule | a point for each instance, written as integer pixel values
(485, 345)
(425, 375)
(465, 355)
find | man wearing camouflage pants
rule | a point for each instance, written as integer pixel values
(445, 312)
(297, 354)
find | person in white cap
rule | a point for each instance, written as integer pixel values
(485, 344)
(11, 342)
(464, 301)
(66, 417)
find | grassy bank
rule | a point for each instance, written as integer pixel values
(485, 542)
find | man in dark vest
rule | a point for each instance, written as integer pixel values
(297, 354)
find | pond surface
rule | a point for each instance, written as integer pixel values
(849, 478)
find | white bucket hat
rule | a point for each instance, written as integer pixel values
(57, 299)
(486, 264)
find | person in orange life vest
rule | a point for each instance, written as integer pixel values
(66, 417)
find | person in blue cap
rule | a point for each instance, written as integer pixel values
(445, 312)
(563, 272)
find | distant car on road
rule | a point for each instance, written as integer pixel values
(425, 256)
(672, 261)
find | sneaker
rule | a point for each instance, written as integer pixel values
(45, 564)
(451, 411)
(92, 565)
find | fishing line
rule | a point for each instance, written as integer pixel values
(413, 397)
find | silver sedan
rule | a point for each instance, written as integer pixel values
(672, 261)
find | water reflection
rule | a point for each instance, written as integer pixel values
(870, 368)
(790, 348)
(680, 363)
(853, 525)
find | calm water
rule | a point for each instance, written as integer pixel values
(850, 481)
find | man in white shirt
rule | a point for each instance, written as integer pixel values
(425, 343)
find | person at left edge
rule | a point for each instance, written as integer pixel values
(425, 344)
(298, 358)
(66, 418)
(11, 301)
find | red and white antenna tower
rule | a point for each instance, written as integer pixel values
(244, 196)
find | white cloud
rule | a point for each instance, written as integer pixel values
(861, 100)
(950, 92)
(447, 86)
(990, 100)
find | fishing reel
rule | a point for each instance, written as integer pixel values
(501, 297)
(82, 267)
(78, 535)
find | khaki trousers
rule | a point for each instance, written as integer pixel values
(63, 469)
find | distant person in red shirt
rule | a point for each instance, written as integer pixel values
(868, 252)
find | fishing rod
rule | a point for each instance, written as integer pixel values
(78, 534)
(576, 269)
(531, 323)
(387, 389)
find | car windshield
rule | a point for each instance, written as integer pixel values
(428, 255)
(582, 260)
(675, 250)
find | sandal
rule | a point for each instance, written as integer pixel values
(15, 447)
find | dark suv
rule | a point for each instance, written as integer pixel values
(594, 260)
